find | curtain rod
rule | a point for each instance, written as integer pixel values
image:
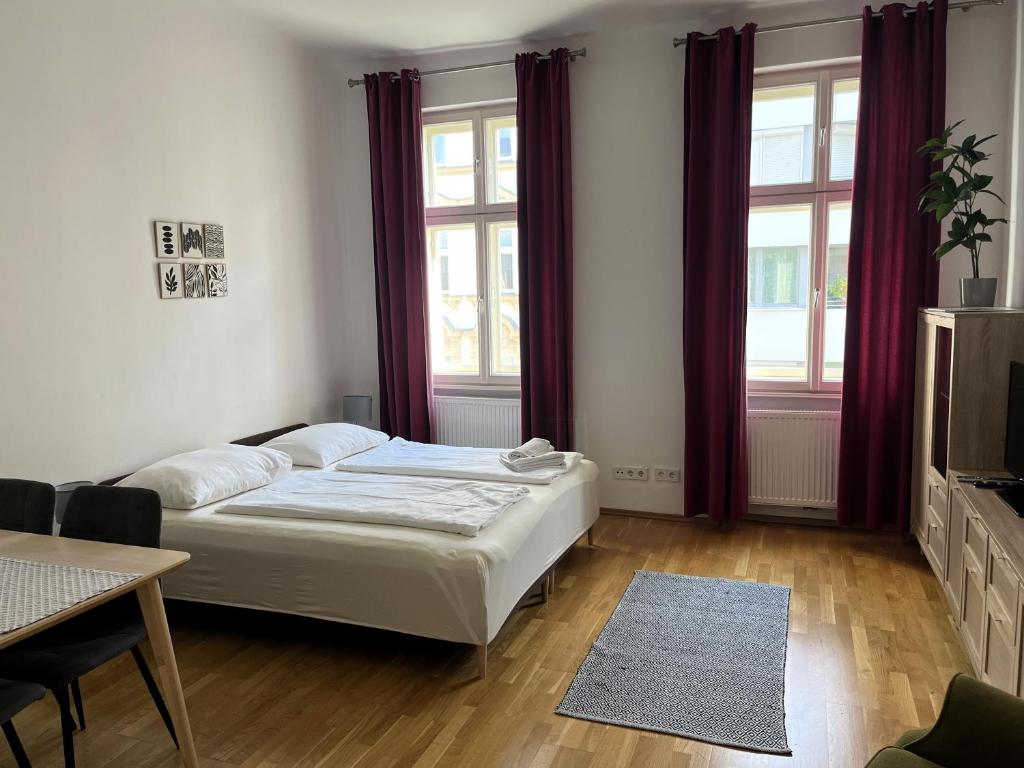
(579, 52)
(964, 6)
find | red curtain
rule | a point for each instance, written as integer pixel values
(718, 93)
(545, 246)
(399, 253)
(892, 272)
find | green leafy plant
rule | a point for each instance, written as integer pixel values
(955, 189)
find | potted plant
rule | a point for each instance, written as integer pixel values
(954, 191)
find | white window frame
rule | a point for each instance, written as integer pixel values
(480, 214)
(819, 193)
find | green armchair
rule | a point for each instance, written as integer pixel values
(979, 727)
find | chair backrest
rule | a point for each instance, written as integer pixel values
(113, 514)
(27, 506)
(979, 725)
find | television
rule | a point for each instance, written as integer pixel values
(1015, 423)
(1013, 460)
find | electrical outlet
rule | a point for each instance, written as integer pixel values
(630, 473)
(666, 474)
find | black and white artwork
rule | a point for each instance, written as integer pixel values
(166, 239)
(214, 236)
(195, 281)
(191, 241)
(217, 279)
(170, 280)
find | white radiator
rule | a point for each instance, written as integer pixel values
(479, 422)
(794, 457)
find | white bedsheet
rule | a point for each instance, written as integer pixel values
(433, 504)
(402, 457)
(427, 583)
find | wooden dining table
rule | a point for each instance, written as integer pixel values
(150, 565)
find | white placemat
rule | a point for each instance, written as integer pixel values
(30, 591)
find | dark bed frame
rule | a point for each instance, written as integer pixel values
(257, 439)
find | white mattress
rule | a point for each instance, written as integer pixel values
(426, 583)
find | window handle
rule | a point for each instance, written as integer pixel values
(817, 293)
(821, 137)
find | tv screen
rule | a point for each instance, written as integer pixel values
(1015, 422)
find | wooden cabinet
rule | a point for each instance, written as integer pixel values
(963, 365)
(973, 541)
(986, 549)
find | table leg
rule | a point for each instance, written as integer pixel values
(152, 604)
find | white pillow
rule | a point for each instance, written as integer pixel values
(197, 478)
(324, 444)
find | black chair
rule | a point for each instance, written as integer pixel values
(27, 506)
(58, 657)
(14, 697)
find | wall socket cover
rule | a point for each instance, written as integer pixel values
(630, 473)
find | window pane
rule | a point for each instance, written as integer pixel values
(845, 95)
(503, 272)
(782, 142)
(835, 289)
(779, 239)
(454, 303)
(501, 159)
(448, 163)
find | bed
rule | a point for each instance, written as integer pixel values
(427, 583)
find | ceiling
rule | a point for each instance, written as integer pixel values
(402, 26)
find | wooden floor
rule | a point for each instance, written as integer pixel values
(871, 649)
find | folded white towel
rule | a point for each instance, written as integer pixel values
(535, 446)
(549, 460)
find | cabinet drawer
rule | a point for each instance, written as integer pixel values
(1002, 582)
(975, 536)
(998, 664)
(937, 501)
(1020, 646)
(973, 617)
(955, 550)
(935, 540)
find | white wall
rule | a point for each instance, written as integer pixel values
(119, 113)
(627, 186)
(628, 339)
(1015, 266)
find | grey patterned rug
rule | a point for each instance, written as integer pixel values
(694, 657)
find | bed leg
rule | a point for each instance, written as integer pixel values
(590, 536)
(481, 661)
(551, 581)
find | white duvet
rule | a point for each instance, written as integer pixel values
(402, 457)
(435, 504)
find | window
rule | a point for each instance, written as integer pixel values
(472, 245)
(801, 178)
(508, 253)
